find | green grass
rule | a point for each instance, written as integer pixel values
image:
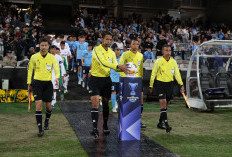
(18, 132)
(195, 133)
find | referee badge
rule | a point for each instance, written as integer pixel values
(49, 67)
(139, 62)
(110, 60)
(172, 71)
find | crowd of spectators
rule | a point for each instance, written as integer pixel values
(20, 30)
(161, 29)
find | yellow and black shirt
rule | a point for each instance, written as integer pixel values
(136, 58)
(42, 67)
(165, 71)
(103, 61)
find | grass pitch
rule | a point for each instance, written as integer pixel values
(18, 132)
(195, 133)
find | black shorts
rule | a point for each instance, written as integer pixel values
(85, 69)
(100, 86)
(115, 87)
(79, 63)
(165, 90)
(42, 90)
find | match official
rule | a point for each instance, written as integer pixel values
(164, 70)
(134, 56)
(103, 59)
(42, 63)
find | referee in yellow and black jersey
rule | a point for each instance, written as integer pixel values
(137, 58)
(103, 59)
(42, 63)
(164, 70)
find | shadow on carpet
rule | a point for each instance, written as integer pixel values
(78, 115)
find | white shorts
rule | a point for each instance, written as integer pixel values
(54, 85)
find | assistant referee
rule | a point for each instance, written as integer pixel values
(103, 59)
(164, 70)
(42, 63)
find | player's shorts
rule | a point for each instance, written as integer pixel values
(100, 86)
(85, 69)
(54, 85)
(115, 87)
(42, 90)
(165, 90)
(79, 63)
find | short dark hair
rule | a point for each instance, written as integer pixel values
(69, 37)
(81, 36)
(43, 40)
(91, 43)
(57, 48)
(135, 39)
(104, 33)
(165, 45)
(114, 46)
(53, 47)
(62, 43)
(61, 36)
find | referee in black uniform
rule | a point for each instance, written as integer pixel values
(42, 63)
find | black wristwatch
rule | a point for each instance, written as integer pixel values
(117, 67)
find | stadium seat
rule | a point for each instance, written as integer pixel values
(179, 61)
(229, 85)
(223, 79)
(19, 63)
(148, 64)
(178, 58)
(8, 67)
(206, 78)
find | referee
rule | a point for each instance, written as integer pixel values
(164, 70)
(42, 63)
(103, 59)
(134, 56)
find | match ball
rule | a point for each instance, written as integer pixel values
(132, 69)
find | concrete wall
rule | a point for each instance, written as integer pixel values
(57, 2)
(220, 11)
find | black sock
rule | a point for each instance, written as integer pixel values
(48, 115)
(164, 116)
(117, 98)
(87, 81)
(141, 109)
(94, 114)
(38, 115)
(105, 113)
(161, 116)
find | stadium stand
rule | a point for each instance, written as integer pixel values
(21, 29)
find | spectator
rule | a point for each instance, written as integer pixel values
(148, 43)
(227, 51)
(148, 54)
(173, 48)
(32, 41)
(119, 43)
(15, 22)
(31, 52)
(27, 19)
(9, 59)
(159, 45)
